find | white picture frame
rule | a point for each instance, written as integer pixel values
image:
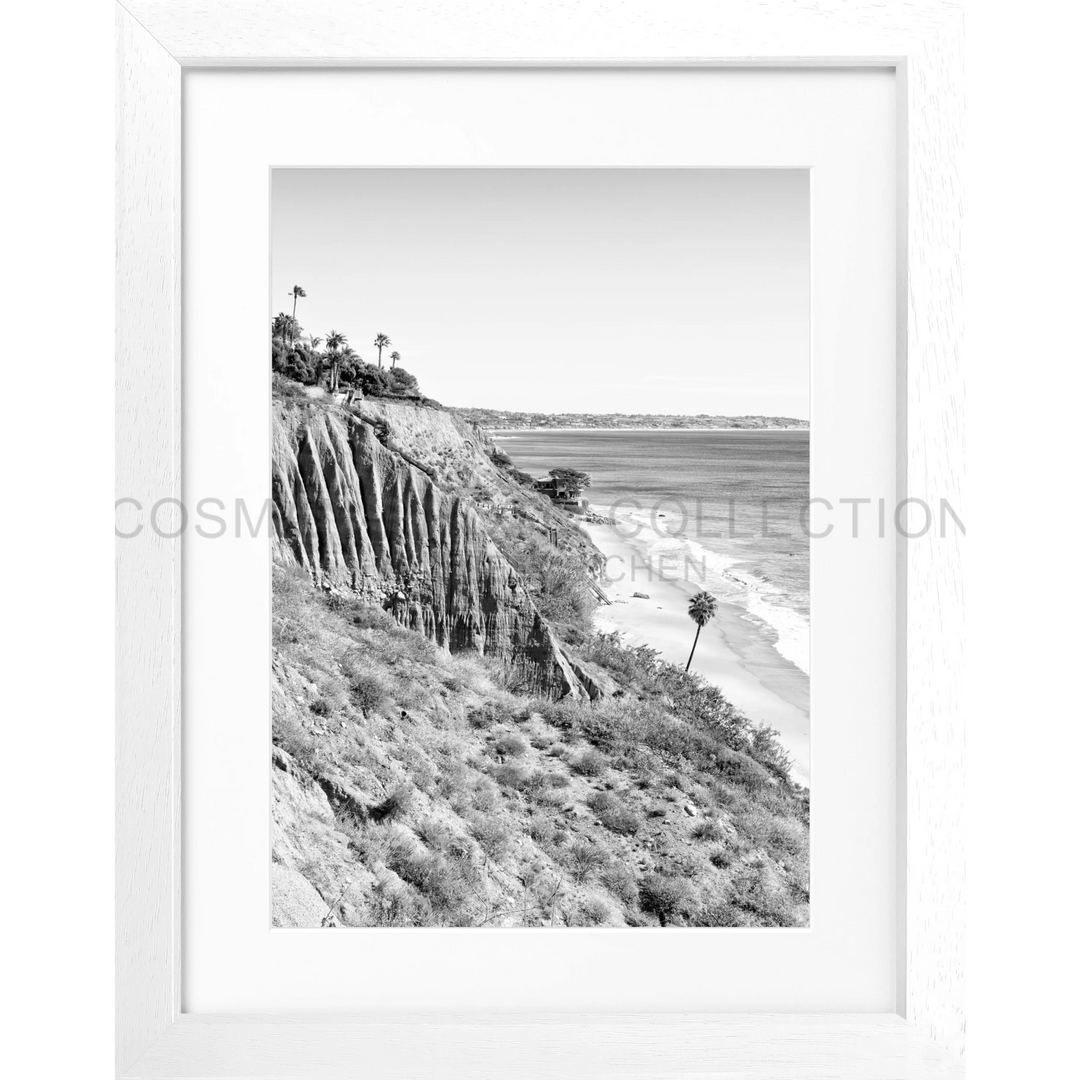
(156, 40)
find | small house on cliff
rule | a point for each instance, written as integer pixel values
(563, 488)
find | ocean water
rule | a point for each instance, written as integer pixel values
(719, 510)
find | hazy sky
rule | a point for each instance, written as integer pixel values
(585, 290)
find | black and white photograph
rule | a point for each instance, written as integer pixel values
(541, 613)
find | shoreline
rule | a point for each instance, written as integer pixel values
(732, 653)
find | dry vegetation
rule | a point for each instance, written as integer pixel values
(414, 788)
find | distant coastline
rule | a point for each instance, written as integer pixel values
(507, 420)
(528, 430)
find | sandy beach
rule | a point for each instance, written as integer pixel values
(732, 652)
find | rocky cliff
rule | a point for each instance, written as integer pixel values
(363, 512)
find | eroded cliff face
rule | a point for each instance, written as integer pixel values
(357, 515)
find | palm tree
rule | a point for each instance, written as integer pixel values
(702, 609)
(334, 342)
(381, 341)
(348, 359)
(285, 327)
(394, 358)
(296, 293)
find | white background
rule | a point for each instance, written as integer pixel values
(841, 124)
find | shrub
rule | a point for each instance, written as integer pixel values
(369, 378)
(537, 781)
(395, 806)
(372, 843)
(787, 837)
(434, 876)
(399, 381)
(758, 890)
(558, 780)
(284, 387)
(766, 749)
(546, 797)
(563, 592)
(321, 707)
(485, 795)
(591, 911)
(510, 745)
(707, 830)
(618, 880)
(542, 831)
(613, 814)
(452, 781)
(716, 727)
(676, 781)
(295, 363)
(421, 772)
(667, 898)
(717, 911)
(379, 382)
(548, 892)
(332, 691)
(367, 617)
(294, 740)
(490, 834)
(434, 833)
(510, 776)
(545, 708)
(782, 836)
(392, 905)
(483, 717)
(724, 795)
(744, 771)
(722, 857)
(590, 763)
(521, 476)
(530, 873)
(584, 860)
(368, 693)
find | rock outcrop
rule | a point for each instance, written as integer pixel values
(358, 515)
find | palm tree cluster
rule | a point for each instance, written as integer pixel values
(335, 345)
(331, 362)
(285, 326)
